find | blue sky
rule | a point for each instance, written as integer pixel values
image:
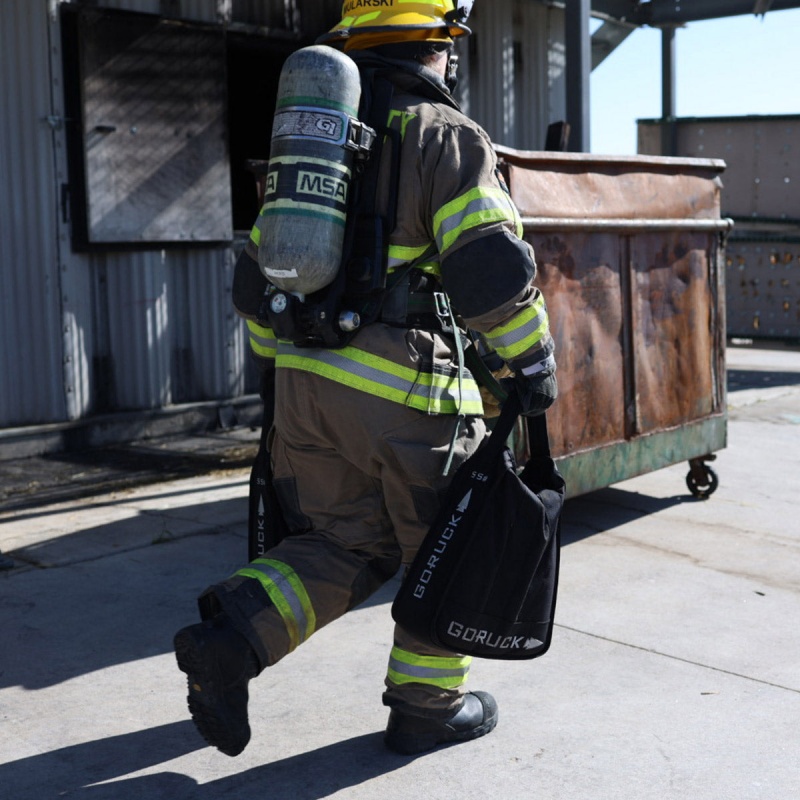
(725, 67)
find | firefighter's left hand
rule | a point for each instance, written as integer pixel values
(536, 392)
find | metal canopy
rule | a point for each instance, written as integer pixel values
(620, 18)
(658, 13)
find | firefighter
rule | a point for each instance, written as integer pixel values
(362, 434)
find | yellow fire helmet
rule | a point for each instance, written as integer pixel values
(389, 21)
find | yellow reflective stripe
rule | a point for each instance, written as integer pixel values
(288, 595)
(445, 673)
(255, 233)
(399, 255)
(434, 392)
(479, 206)
(522, 332)
(364, 18)
(262, 340)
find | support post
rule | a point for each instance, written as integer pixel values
(579, 68)
(669, 132)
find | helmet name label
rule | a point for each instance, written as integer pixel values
(352, 5)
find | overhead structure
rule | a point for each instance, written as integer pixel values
(657, 13)
(620, 19)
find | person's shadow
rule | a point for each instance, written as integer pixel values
(152, 588)
(92, 770)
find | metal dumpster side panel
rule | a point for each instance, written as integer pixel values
(672, 329)
(636, 302)
(580, 276)
(576, 185)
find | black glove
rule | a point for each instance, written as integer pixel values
(536, 392)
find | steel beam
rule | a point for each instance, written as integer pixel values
(668, 12)
(579, 68)
(669, 144)
(607, 38)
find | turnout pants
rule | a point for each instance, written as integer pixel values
(359, 480)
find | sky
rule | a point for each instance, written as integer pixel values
(735, 66)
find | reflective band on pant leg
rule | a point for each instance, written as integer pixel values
(446, 673)
(288, 595)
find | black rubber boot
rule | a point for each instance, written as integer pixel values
(219, 663)
(408, 734)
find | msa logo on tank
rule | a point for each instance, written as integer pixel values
(321, 186)
(312, 180)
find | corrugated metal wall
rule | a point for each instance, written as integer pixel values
(513, 68)
(106, 331)
(31, 376)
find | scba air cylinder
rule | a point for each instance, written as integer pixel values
(315, 139)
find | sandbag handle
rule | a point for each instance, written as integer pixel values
(538, 439)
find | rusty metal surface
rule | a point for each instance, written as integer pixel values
(629, 258)
(763, 289)
(577, 185)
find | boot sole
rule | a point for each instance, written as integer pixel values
(212, 716)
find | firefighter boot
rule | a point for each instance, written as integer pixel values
(408, 734)
(219, 664)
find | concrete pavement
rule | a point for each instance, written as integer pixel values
(674, 670)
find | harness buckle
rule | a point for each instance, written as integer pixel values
(441, 305)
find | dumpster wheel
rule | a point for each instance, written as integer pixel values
(701, 479)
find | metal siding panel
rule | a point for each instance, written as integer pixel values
(31, 389)
(139, 332)
(309, 16)
(762, 179)
(763, 288)
(514, 100)
(210, 342)
(193, 10)
(173, 335)
(762, 154)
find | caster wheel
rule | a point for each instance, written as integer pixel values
(705, 487)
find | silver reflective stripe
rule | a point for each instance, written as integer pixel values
(456, 220)
(305, 626)
(443, 386)
(423, 673)
(540, 366)
(512, 337)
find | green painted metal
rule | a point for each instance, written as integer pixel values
(611, 463)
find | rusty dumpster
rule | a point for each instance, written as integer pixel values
(630, 252)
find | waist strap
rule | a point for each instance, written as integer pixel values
(421, 307)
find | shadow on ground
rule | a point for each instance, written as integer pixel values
(76, 771)
(740, 379)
